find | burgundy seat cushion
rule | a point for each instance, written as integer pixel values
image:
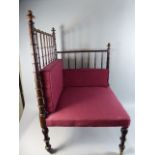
(86, 77)
(52, 77)
(88, 106)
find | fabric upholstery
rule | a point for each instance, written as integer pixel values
(86, 77)
(52, 77)
(90, 107)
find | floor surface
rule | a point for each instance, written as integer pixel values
(74, 141)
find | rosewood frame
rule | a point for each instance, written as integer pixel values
(44, 51)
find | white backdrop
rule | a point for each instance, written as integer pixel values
(96, 22)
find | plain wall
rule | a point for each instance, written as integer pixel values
(96, 22)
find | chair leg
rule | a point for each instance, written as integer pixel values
(46, 140)
(124, 132)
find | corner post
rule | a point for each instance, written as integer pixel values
(38, 85)
(54, 42)
(108, 56)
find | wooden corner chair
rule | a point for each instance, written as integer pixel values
(73, 96)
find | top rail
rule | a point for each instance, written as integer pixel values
(81, 51)
(40, 31)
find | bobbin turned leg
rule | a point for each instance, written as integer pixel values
(45, 130)
(124, 132)
(46, 140)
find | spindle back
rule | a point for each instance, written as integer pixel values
(75, 59)
(45, 51)
(43, 44)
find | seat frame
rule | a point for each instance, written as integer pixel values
(47, 45)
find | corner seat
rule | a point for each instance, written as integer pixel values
(88, 107)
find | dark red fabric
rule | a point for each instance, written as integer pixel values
(85, 77)
(90, 107)
(52, 77)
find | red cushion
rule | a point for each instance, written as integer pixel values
(86, 77)
(90, 107)
(52, 77)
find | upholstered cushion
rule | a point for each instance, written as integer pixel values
(52, 78)
(88, 106)
(86, 77)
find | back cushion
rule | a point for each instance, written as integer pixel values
(86, 77)
(52, 78)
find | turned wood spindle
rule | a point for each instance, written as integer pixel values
(41, 47)
(54, 42)
(101, 60)
(95, 60)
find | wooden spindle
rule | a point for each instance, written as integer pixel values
(51, 48)
(50, 42)
(45, 51)
(48, 49)
(42, 51)
(81, 59)
(38, 51)
(88, 60)
(68, 61)
(95, 60)
(46, 46)
(38, 85)
(101, 60)
(75, 59)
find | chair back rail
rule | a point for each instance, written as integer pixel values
(85, 58)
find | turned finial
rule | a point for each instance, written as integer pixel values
(108, 45)
(53, 30)
(54, 38)
(30, 15)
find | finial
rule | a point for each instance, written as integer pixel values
(53, 29)
(30, 15)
